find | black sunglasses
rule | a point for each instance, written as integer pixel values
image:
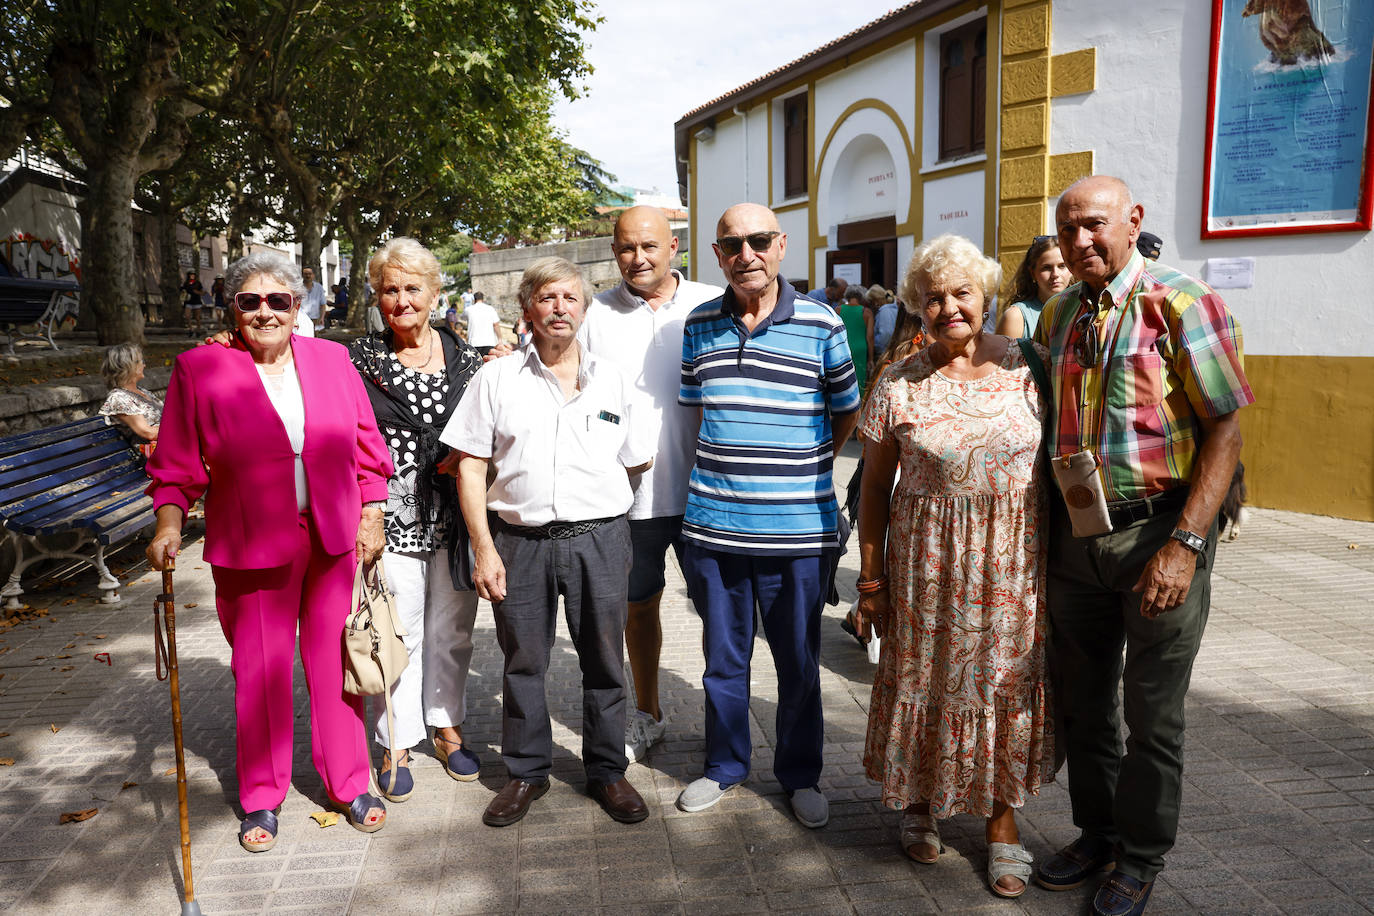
(759, 242)
(251, 302)
(1085, 346)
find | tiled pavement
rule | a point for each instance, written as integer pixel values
(1278, 805)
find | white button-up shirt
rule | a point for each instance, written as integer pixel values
(555, 460)
(646, 343)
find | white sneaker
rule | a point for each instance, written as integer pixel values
(701, 794)
(810, 807)
(642, 731)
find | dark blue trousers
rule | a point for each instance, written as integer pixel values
(788, 593)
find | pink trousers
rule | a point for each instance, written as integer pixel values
(259, 610)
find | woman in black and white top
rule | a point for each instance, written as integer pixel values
(138, 411)
(415, 373)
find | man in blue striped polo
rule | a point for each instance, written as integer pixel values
(771, 373)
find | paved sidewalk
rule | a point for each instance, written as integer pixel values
(1278, 813)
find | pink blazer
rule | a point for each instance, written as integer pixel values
(221, 436)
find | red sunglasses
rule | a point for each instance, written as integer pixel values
(251, 302)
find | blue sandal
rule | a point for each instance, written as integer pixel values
(356, 812)
(393, 779)
(459, 763)
(258, 820)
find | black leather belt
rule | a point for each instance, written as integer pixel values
(553, 531)
(1129, 511)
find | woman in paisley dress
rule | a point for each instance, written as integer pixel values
(952, 570)
(415, 373)
(138, 412)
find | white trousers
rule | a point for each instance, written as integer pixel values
(439, 620)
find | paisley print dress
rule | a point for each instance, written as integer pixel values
(960, 714)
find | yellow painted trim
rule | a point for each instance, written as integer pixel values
(1073, 73)
(1067, 168)
(813, 178)
(768, 107)
(788, 208)
(1309, 445)
(992, 122)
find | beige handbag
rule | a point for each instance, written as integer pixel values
(374, 655)
(373, 652)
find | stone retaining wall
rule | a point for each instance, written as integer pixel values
(30, 407)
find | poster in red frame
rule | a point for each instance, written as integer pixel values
(1289, 118)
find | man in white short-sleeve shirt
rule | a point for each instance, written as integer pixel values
(556, 427)
(483, 324)
(313, 302)
(638, 326)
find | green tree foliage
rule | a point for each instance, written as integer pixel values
(357, 117)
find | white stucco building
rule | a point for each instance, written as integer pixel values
(973, 117)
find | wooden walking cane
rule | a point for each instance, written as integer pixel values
(165, 614)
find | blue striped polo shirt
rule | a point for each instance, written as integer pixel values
(762, 479)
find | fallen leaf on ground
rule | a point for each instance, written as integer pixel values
(4, 734)
(171, 771)
(72, 817)
(1352, 547)
(66, 668)
(60, 657)
(6, 761)
(193, 604)
(70, 645)
(54, 727)
(128, 785)
(326, 818)
(78, 634)
(100, 636)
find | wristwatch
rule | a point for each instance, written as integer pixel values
(1194, 542)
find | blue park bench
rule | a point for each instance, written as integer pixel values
(80, 478)
(24, 301)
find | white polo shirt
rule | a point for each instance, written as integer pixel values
(646, 343)
(313, 302)
(555, 460)
(481, 320)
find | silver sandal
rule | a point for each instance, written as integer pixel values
(1008, 860)
(920, 830)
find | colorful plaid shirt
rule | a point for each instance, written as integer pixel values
(1168, 352)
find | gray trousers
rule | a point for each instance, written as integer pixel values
(1130, 799)
(591, 572)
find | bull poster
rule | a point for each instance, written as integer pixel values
(1289, 117)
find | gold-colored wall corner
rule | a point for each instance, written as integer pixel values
(1306, 406)
(1010, 261)
(1025, 80)
(1066, 168)
(1025, 176)
(1008, 4)
(1020, 224)
(1026, 127)
(1074, 72)
(1026, 30)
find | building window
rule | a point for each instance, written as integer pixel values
(794, 146)
(963, 89)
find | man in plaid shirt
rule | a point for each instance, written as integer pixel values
(1147, 373)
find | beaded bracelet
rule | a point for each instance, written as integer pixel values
(869, 586)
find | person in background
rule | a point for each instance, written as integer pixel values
(219, 302)
(832, 294)
(522, 333)
(884, 323)
(638, 326)
(414, 374)
(1041, 275)
(193, 290)
(1149, 245)
(313, 303)
(137, 410)
(952, 570)
(483, 325)
(858, 326)
(279, 425)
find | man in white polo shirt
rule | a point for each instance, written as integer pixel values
(484, 324)
(638, 326)
(556, 427)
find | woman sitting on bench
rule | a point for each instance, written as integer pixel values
(138, 411)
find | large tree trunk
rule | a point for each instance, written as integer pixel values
(361, 241)
(311, 235)
(109, 275)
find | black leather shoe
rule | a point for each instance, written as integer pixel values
(1073, 865)
(620, 800)
(511, 803)
(1121, 895)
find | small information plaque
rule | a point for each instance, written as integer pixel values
(1230, 273)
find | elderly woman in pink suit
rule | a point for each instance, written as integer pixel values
(278, 434)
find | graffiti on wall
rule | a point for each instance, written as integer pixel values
(44, 259)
